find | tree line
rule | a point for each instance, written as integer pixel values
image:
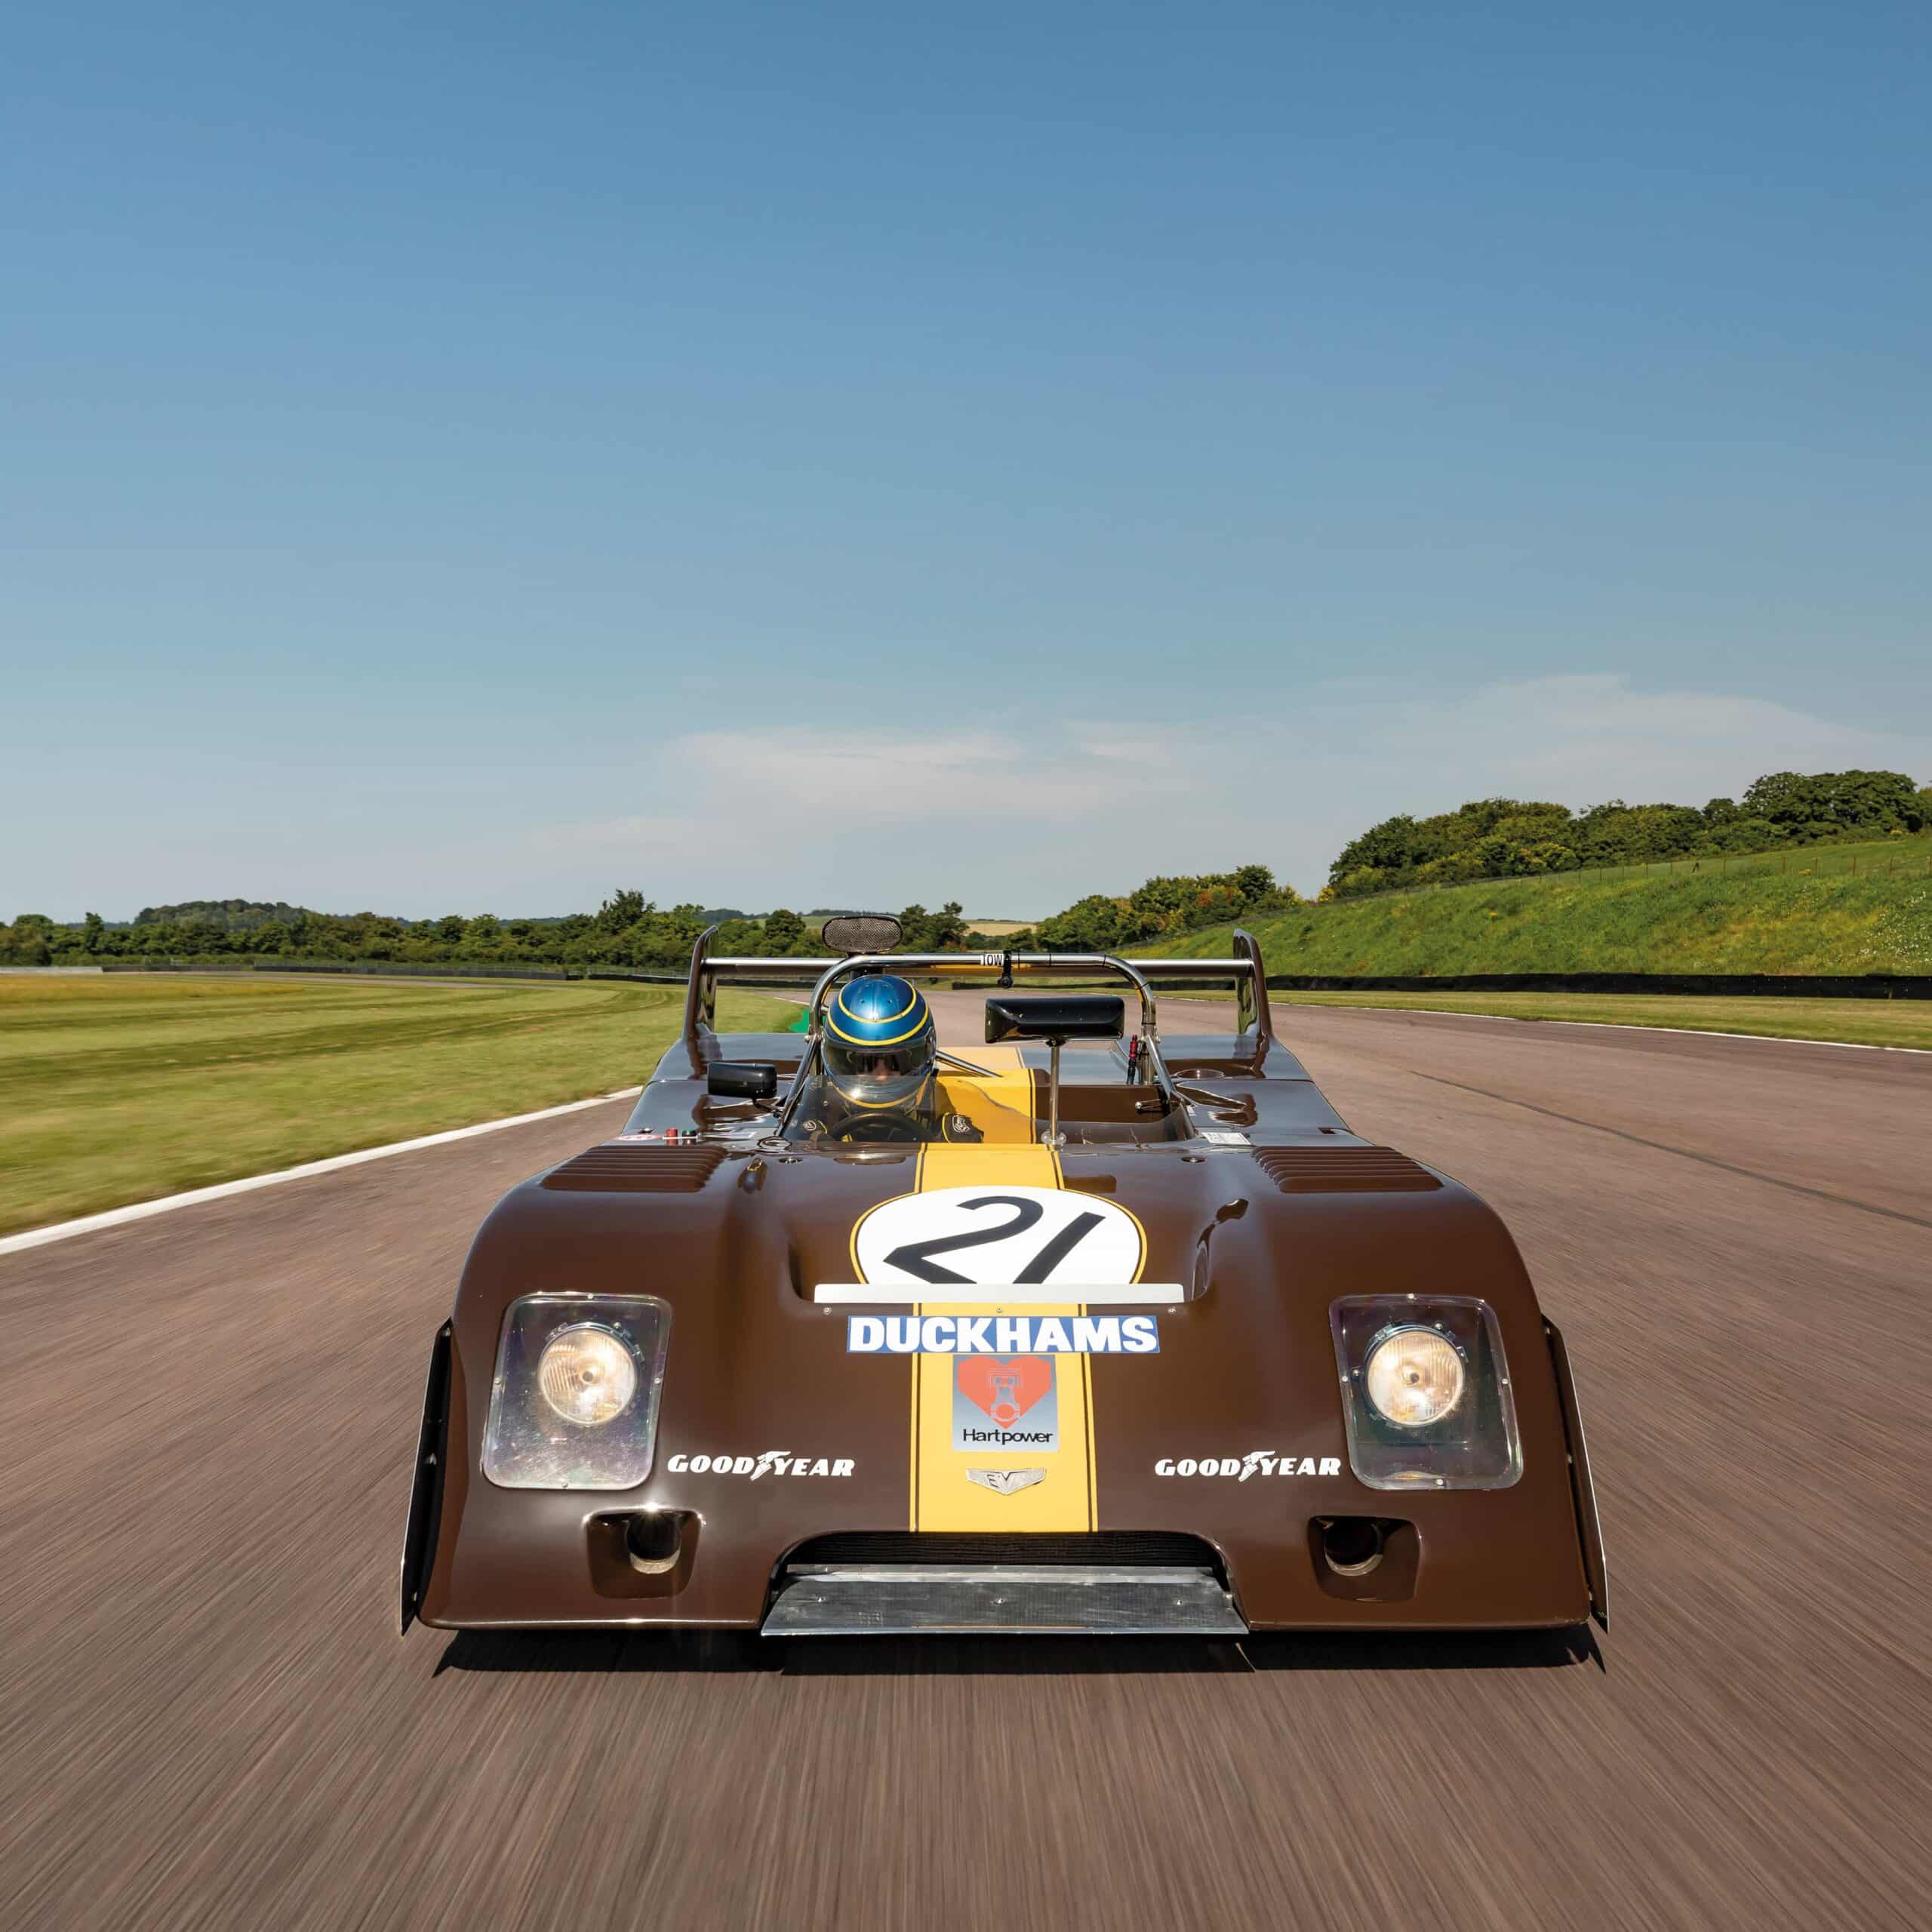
(627, 930)
(1517, 838)
(1486, 838)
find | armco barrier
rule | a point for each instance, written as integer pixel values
(1790, 986)
(383, 969)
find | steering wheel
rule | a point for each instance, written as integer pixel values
(867, 1128)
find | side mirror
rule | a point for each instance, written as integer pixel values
(1070, 1017)
(741, 1080)
(854, 933)
(1057, 1020)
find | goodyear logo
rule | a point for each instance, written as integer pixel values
(1002, 1334)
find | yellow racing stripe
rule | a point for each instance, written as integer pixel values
(942, 1497)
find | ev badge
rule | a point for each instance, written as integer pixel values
(1004, 1482)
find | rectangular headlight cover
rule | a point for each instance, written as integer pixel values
(608, 1354)
(1401, 1357)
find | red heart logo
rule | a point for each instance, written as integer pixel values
(1005, 1388)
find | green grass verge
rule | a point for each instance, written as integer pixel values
(1756, 921)
(1875, 1023)
(126, 1087)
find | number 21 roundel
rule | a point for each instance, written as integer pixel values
(998, 1236)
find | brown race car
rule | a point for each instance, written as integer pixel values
(1131, 1333)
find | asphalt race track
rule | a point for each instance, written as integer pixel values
(207, 1720)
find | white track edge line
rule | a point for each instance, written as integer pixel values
(139, 1210)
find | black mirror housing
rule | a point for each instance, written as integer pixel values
(741, 1080)
(854, 933)
(1065, 1016)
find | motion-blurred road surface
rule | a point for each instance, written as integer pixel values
(206, 1422)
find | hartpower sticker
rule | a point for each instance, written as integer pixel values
(1010, 1402)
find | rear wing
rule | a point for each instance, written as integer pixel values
(1243, 972)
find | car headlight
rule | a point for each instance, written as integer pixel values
(587, 1373)
(1426, 1393)
(1413, 1376)
(573, 1403)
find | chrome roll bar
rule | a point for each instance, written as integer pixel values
(1000, 968)
(1002, 965)
(1244, 970)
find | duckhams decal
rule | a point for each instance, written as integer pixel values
(1010, 1404)
(1002, 1335)
(996, 1235)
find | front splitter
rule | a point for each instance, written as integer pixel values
(885, 1599)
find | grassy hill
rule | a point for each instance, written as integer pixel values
(1821, 918)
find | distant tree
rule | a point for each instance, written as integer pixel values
(1845, 800)
(946, 930)
(1255, 885)
(783, 929)
(677, 933)
(24, 943)
(740, 936)
(621, 911)
(1095, 924)
(1390, 846)
(1743, 834)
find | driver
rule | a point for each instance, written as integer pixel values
(881, 1068)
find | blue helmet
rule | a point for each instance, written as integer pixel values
(879, 1041)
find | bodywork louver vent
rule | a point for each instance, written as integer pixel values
(617, 1168)
(1344, 1170)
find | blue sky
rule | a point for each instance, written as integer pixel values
(468, 457)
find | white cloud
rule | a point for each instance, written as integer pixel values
(1019, 819)
(1016, 814)
(911, 776)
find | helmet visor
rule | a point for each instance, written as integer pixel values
(870, 1076)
